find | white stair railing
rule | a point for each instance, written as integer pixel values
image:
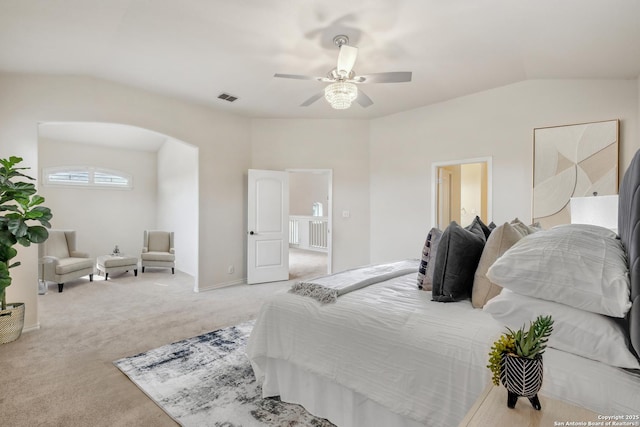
(309, 232)
(318, 234)
(294, 233)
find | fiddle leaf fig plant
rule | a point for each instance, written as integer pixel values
(22, 218)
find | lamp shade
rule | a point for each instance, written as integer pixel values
(596, 210)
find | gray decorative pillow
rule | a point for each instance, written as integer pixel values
(435, 244)
(486, 229)
(458, 254)
(429, 251)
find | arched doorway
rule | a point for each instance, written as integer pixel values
(164, 194)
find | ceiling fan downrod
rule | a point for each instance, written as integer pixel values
(340, 40)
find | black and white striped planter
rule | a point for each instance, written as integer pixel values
(521, 377)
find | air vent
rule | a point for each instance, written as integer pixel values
(227, 97)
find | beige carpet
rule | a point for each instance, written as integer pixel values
(62, 374)
(305, 263)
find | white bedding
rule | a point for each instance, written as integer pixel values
(423, 360)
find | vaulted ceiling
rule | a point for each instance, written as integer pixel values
(198, 49)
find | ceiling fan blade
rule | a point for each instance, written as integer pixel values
(313, 99)
(301, 77)
(363, 99)
(295, 76)
(391, 77)
(346, 59)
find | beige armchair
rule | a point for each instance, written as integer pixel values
(158, 250)
(60, 261)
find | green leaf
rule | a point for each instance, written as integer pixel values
(13, 208)
(531, 342)
(17, 227)
(7, 239)
(7, 253)
(27, 188)
(23, 201)
(24, 241)
(5, 277)
(37, 234)
(10, 162)
(15, 173)
(46, 213)
(14, 160)
(36, 200)
(32, 215)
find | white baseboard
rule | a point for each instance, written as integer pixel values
(31, 328)
(242, 281)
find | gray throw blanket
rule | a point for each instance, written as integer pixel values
(327, 289)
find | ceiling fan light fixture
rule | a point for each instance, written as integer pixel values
(340, 95)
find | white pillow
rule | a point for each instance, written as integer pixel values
(586, 334)
(569, 265)
(588, 228)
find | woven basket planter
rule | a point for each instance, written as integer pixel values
(11, 322)
(521, 377)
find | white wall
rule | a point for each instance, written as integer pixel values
(102, 217)
(497, 123)
(223, 140)
(340, 145)
(381, 168)
(177, 208)
(306, 188)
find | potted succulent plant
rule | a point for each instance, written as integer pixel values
(516, 360)
(20, 207)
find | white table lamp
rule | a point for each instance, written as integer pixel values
(595, 210)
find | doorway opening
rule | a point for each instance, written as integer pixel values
(309, 222)
(461, 190)
(163, 194)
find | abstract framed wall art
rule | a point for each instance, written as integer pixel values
(572, 161)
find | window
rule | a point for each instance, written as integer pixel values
(68, 177)
(85, 176)
(110, 178)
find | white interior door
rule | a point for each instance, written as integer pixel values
(268, 226)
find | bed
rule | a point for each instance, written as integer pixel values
(387, 354)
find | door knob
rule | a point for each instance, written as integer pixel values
(251, 233)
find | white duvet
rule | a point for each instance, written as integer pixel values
(420, 359)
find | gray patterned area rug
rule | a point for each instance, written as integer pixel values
(208, 381)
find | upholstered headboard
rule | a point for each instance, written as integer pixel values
(629, 231)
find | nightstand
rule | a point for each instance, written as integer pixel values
(491, 410)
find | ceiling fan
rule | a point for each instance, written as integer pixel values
(342, 90)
